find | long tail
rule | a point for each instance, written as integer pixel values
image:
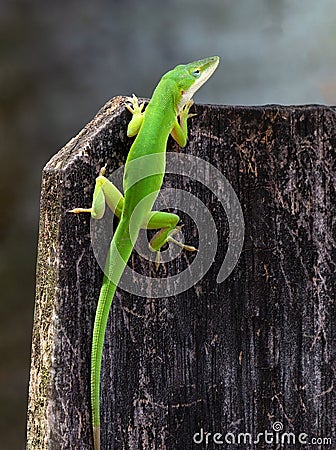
(119, 253)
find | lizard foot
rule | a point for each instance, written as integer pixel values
(133, 105)
(80, 210)
(189, 248)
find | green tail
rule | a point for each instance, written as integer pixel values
(115, 265)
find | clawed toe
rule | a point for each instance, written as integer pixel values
(189, 248)
(157, 261)
(133, 105)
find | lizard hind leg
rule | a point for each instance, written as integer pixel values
(104, 193)
(167, 222)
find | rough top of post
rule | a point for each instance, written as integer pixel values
(106, 115)
(115, 106)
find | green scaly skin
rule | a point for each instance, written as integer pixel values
(166, 114)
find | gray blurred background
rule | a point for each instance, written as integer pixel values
(61, 61)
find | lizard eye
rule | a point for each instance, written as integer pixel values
(196, 73)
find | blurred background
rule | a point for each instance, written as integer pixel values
(61, 61)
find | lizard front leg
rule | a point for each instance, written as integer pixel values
(137, 115)
(180, 128)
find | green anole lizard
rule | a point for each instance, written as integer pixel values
(166, 114)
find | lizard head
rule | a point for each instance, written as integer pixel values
(190, 77)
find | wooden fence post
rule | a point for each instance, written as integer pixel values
(253, 354)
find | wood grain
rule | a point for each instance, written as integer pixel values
(233, 357)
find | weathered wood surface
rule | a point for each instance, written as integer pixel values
(234, 357)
